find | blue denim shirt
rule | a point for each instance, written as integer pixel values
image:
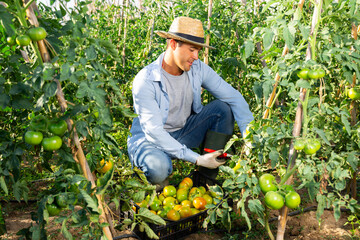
(151, 103)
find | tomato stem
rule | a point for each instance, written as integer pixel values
(267, 226)
(305, 116)
(28, 4)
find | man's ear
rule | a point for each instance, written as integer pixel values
(173, 44)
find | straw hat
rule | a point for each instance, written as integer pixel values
(187, 30)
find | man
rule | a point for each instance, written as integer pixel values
(167, 98)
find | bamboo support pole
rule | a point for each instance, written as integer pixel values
(126, 11)
(206, 52)
(298, 119)
(277, 76)
(353, 113)
(63, 105)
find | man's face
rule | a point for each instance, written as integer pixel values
(185, 55)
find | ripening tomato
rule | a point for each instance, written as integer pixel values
(173, 215)
(169, 191)
(104, 167)
(182, 194)
(199, 203)
(185, 212)
(354, 93)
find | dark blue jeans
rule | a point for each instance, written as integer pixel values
(157, 165)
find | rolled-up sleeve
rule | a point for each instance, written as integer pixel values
(223, 91)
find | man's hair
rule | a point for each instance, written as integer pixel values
(177, 41)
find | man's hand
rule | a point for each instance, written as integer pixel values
(209, 160)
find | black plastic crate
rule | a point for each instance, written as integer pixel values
(179, 229)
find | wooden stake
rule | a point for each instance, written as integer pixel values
(297, 125)
(206, 53)
(63, 105)
(277, 76)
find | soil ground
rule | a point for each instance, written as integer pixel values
(302, 226)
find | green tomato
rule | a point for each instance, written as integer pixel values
(52, 143)
(316, 74)
(266, 183)
(312, 146)
(303, 73)
(33, 138)
(61, 200)
(292, 200)
(155, 205)
(299, 144)
(23, 40)
(354, 93)
(11, 40)
(37, 33)
(58, 127)
(53, 209)
(274, 200)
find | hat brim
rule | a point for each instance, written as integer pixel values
(174, 36)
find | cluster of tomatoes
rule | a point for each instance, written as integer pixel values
(181, 202)
(61, 202)
(306, 73)
(309, 146)
(276, 196)
(55, 129)
(33, 34)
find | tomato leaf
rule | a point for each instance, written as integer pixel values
(322, 135)
(303, 84)
(249, 48)
(268, 38)
(3, 185)
(256, 207)
(353, 160)
(91, 203)
(145, 214)
(65, 231)
(104, 182)
(149, 232)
